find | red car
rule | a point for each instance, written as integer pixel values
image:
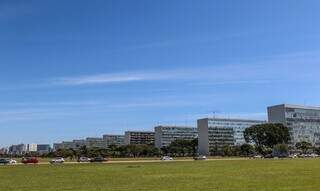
(29, 160)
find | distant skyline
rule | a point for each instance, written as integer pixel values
(75, 69)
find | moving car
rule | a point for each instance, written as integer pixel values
(58, 160)
(166, 158)
(29, 160)
(313, 155)
(293, 156)
(98, 159)
(11, 161)
(84, 159)
(258, 157)
(4, 161)
(201, 157)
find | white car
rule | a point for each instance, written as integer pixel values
(11, 161)
(313, 155)
(258, 157)
(201, 157)
(293, 156)
(59, 160)
(166, 158)
(84, 159)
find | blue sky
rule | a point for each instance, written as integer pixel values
(73, 69)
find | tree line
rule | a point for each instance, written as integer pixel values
(263, 139)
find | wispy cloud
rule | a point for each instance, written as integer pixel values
(251, 73)
(116, 77)
(288, 68)
(57, 110)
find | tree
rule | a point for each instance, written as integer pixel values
(228, 151)
(246, 150)
(317, 150)
(304, 146)
(280, 150)
(182, 148)
(267, 135)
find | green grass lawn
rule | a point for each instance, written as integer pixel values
(185, 176)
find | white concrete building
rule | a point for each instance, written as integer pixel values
(165, 135)
(216, 133)
(303, 121)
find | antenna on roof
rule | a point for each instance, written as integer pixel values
(214, 113)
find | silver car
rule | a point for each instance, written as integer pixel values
(59, 160)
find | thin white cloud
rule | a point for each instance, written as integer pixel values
(113, 78)
(288, 68)
(58, 110)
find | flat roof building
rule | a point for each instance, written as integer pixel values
(17, 149)
(95, 142)
(165, 135)
(32, 147)
(78, 143)
(57, 146)
(114, 139)
(216, 133)
(303, 121)
(43, 148)
(139, 138)
(67, 145)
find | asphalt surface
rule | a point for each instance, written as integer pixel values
(132, 161)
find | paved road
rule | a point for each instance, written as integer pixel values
(142, 161)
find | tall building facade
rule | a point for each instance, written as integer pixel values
(139, 138)
(303, 122)
(43, 148)
(32, 147)
(114, 139)
(66, 145)
(57, 146)
(216, 133)
(18, 149)
(3, 151)
(78, 143)
(95, 142)
(165, 135)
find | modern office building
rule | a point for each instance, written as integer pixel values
(165, 135)
(216, 133)
(32, 147)
(114, 139)
(303, 121)
(67, 145)
(57, 146)
(17, 149)
(95, 142)
(3, 151)
(78, 143)
(43, 148)
(139, 138)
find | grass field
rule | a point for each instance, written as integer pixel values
(219, 175)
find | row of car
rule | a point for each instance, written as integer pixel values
(312, 155)
(7, 161)
(60, 160)
(168, 158)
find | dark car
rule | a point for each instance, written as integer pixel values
(29, 160)
(98, 159)
(4, 161)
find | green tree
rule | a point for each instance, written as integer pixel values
(182, 147)
(246, 150)
(267, 135)
(228, 151)
(304, 146)
(280, 150)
